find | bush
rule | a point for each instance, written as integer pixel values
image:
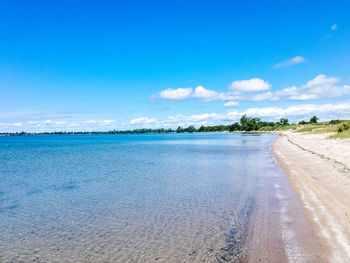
(343, 127)
(335, 122)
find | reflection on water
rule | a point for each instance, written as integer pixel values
(173, 197)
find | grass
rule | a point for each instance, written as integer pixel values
(288, 127)
(326, 129)
(342, 129)
(279, 128)
(341, 135)
(311, 127)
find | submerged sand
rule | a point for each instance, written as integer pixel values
(318, 172)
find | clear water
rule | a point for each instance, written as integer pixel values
(127, 198)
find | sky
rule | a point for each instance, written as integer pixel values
(103, 65)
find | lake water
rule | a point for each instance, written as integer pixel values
(130, 198)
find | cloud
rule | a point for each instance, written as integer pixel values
(290, 62)
(205, 94)
(25, 114)
(257, 89)
(251, 85)
(235, 91)
(300, 110)
(326, 111)
(143, 120)
(210, 95)
(231, 104)
(263, 96)
(57, 125)
(334, 27)
(186, 120)
(97, 122)
(176, 94)
(319, 87)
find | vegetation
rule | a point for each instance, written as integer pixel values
(313, 120)
(343, 130)
(340, 128)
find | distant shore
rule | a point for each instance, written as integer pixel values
(318, 172)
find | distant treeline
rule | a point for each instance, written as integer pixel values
(246, 124)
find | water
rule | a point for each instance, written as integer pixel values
(127, 198)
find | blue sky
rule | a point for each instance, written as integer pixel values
(100, 65)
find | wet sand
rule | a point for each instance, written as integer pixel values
(318, 173)
(278, 230)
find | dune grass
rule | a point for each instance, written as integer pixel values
(341, 135)
(311, 127)
(288, 127)
(341, 129)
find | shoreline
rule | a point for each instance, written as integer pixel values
(278, 230)
(319, 176)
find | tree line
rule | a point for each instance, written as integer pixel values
(245, 124)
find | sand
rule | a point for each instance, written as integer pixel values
(318, 172)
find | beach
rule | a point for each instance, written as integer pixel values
(211, 197)
(318, 172)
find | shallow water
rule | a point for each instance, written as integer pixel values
(127, 198)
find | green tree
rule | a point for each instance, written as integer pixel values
(250, 124)
(201, 129)
(314, 119)
(190, 129)
(284, 121)
(235, 127)
(179, 129)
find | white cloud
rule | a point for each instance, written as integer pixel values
(231, 104)
(30, 114)
(290, 62)
(186, 120)
(303, 97)
(263, 96)
(92, 122)
(201, 117)
(319, 87)
(334, 27)
(210, 95)
(325, 111)
(291, 91)
(235, 91)
(50, 125)
(300, 110)
(251, 85)
(107, 122)
(61, 122)
(256, 89)
(176, 94)
(143, 120)
(205, 94)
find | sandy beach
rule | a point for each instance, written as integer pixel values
(318, 172)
